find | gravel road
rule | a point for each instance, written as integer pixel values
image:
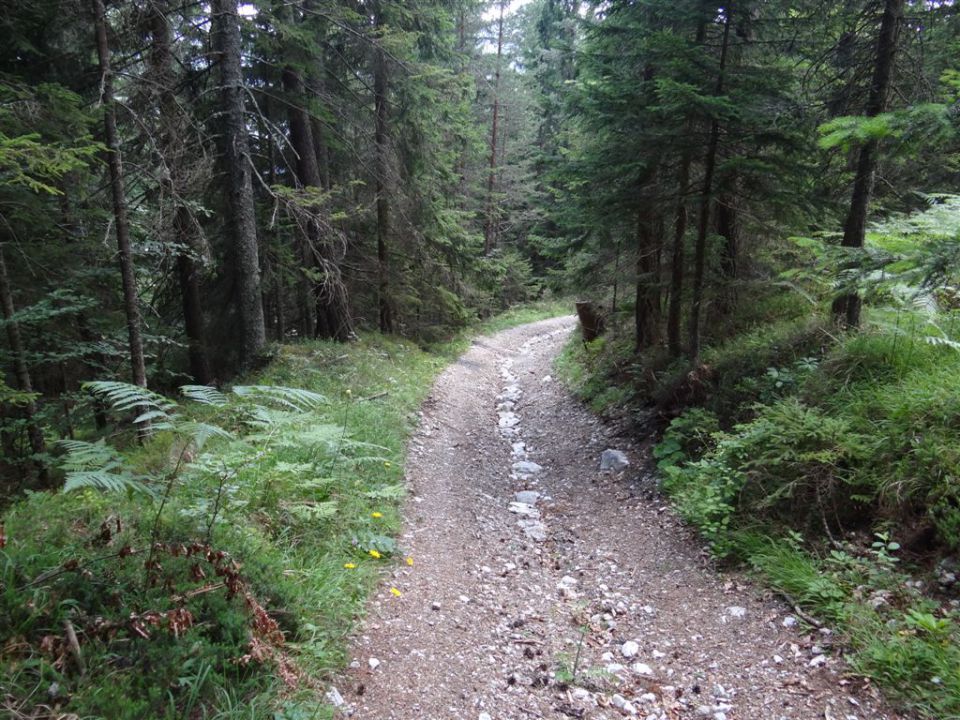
(584, 597)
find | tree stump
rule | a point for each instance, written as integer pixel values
(591, 319)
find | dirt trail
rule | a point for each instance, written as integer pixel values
(505, 601)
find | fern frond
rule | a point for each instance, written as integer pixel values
(98, 466)
(942, 342)
(106, 481)
(204, 394)
(124, 396)
(308, 512)
(201, 432)
(85, 455)
(294, 399)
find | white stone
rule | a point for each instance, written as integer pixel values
(642, 669)
(521, 508)
(334, 697)
(373, 663)
(630, 648)
(526, 467)
(528, 497)
(623, 705)
(509, 420)
(534, 529)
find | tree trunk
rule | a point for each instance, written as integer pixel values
(34, 433)
(380, 80)
(75, 230)
(124, 255)
(616, 278)
(703, 226)
(331, 312)
(678, 256)
(237, 161)
(728, 228)
(846, 308)
(647, 311)
(192, 307)
(489, 229)
(591, 320)
(88, 336)
(172, 147)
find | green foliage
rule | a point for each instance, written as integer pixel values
(899, 638)
(294, 477)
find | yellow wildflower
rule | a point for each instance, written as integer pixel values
(387, 463)
(376, 514)
(410, 561)
(350, 566)
(375, 554)
(396, 592)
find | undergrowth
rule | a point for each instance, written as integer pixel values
(825, 461)
(216, 570)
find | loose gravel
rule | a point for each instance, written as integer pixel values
(543, 587)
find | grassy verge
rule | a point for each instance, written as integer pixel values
(217, 570)
(828, 464)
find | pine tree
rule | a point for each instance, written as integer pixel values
(239, 182)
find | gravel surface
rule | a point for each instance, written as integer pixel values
(543, 587)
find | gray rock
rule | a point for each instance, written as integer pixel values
(528, 497)
(534, 529)
(623, 705)
(334, 697)
(524, 509)
(508, 420)
(527, 467)
(613, 460)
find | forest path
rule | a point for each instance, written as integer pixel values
(503, 600)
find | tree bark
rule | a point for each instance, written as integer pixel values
(236, 155)
(703, 226)
(34, 433)
(678, 256)
(846, 308)
(591, 320)
(308, 175)
(124, 254)
(330, 309)
(489, 230)
(647, 310)
(381, 133)
(88, 336)
(174, 157)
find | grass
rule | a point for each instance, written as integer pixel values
(235, 596)
(825, 462)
